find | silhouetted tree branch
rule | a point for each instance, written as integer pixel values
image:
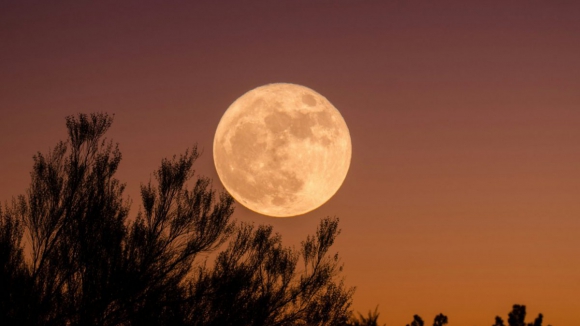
(14, 286)
(256, 281)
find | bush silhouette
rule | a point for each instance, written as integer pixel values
(417, 321)
(517, 318)
(371, 320)
(440, 320)
(87, 263)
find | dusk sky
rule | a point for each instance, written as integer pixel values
(463, 193)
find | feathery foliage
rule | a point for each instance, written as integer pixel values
(87, 263)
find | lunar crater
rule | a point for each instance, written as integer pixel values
(308, 100)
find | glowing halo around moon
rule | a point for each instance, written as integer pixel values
(282, 150)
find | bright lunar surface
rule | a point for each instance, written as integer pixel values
(282, 150)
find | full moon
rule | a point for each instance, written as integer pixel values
(282, 150)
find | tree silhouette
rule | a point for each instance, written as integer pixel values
(88, 264)
(440, 320)
(371, 320)
(538, 321)
(517, 318)
(13, 278)
(498, 321)
(417, 321)
(265, 288)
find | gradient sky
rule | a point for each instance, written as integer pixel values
(463, 194)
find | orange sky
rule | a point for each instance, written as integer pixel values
(463, 191)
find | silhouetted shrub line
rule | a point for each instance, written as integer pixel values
(86, 263)
(515, 318)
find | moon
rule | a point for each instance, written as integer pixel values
(282, 150)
